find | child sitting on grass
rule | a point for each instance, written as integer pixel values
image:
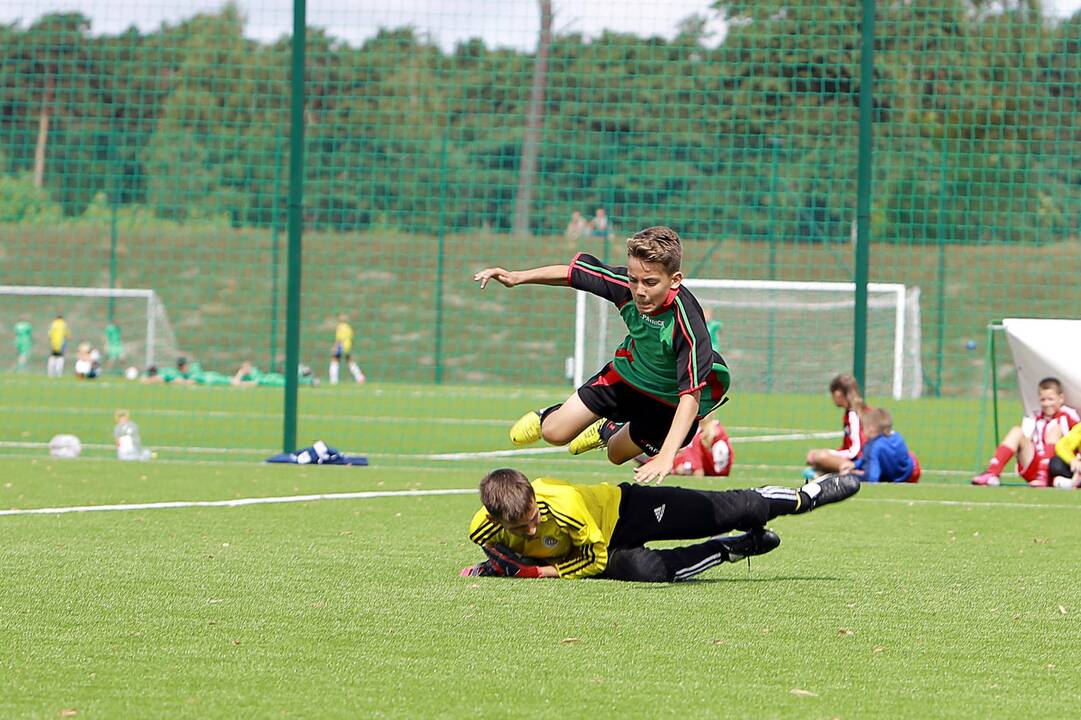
(885, 457)
(1033, 441)
(845, 393)
(129, 446)
(709, 454)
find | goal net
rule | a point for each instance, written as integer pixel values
(786, 337)
(145, 332)
(1044, 347)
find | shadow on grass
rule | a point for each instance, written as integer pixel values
(754, 578)
(709, 580)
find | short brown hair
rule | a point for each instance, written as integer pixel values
(657, 244)
(881, 419)
(506, 494)
(1051, 382)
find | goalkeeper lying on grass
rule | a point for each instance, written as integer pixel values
(550, 528)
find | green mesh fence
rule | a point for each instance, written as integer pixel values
(149, 149)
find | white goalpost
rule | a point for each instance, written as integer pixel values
(784, 336)
(147, 332)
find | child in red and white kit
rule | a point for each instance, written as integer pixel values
(1034, 440)
(709, 454)
(845, 393)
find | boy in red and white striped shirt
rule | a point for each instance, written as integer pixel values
(1034, 440)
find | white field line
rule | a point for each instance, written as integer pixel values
(235, 463)
(237, 502)
(391, 390)
(170, 448)
(267, 451)
(278, 500)
(369, 419)
(240, 455)
(971, 503)
(783, 437)
(547, 450)
(24, 444)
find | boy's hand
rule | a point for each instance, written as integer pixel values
(508, 563)
(654, 471)
(503, 277)
(481, 569)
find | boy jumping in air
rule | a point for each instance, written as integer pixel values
(550, 528)
(665, 376)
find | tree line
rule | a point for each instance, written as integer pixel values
(976, 125)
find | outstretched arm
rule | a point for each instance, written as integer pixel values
(661, 466)
(547, 275)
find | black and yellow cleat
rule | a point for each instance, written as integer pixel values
(527, 430)
(588, 439)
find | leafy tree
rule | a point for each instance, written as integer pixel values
(975, 103)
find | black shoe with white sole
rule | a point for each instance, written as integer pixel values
(830, 488)
(756, 542)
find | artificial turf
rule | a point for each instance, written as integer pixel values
(930, 600)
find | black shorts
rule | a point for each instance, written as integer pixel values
(655, 512)
(1059, 468)
(608, 395)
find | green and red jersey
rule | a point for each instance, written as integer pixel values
(667, 353)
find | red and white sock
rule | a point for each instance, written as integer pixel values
(1003, 453)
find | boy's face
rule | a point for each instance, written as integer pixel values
(873, 431)
(1051, 401)
(523, 527)
(839, 398)
(650, 283)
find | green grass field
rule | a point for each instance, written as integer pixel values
(930, 600)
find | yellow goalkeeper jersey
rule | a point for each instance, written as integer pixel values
(576, 525)
(343, 335)
(59, 334)
(1069, 445)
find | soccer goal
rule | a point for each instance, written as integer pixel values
(785, 337)
(145, 330)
